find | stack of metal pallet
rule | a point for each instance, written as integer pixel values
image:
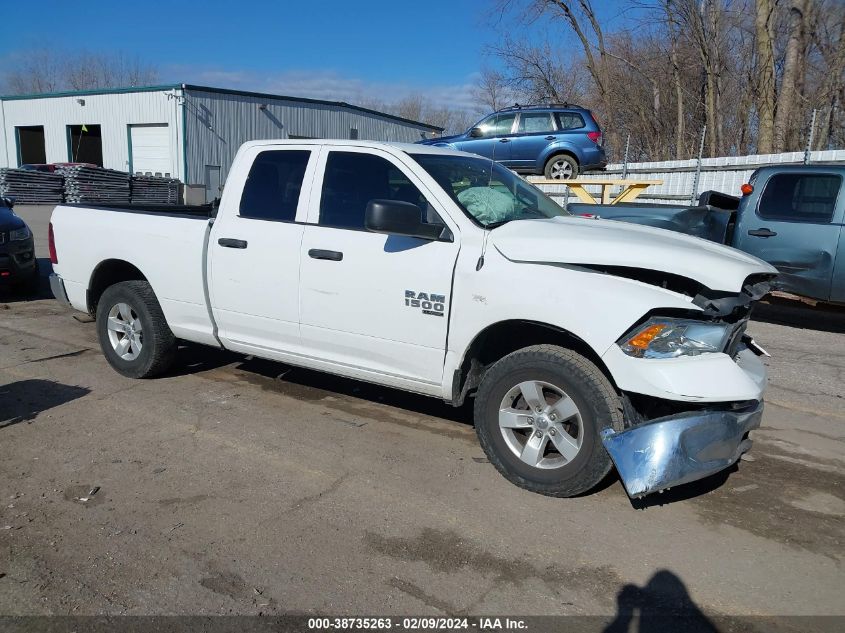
(154, 190)
(95, 185)
(31, 187)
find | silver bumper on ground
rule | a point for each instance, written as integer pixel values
(677, 449)
(57, 287)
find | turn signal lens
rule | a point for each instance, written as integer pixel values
(646, 336)
(747, 189)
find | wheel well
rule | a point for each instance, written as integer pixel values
(107, 274)
(500, 339)
(566, 152)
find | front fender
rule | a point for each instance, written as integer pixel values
(593, 307)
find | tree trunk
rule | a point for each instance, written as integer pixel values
(764, 23)
(788, 95)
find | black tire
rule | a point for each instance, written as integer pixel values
(549, 169)
(158, 345)
(597, 401)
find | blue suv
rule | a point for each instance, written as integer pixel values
(558, 141)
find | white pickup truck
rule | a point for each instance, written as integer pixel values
(442, 273)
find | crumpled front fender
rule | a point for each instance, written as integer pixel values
(678, 449)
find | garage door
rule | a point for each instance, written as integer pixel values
(150, 146)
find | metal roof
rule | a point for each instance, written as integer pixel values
(244, 93)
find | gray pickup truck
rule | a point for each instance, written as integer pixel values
(790, 216)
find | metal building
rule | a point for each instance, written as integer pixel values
(180, 130)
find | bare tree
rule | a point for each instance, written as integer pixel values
(48, 70)
(493, 91)
(788, 94)
(766, 89)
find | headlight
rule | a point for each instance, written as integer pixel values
(668, 338)
(19, 234)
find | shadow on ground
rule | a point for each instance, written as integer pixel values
(24, 400)
(662, 605)
(312, 385)
(17, 295)
(824, 318)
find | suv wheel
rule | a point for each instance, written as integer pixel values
(538, 414)
(561, 167)
(133, 333)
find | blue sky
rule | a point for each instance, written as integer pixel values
(352, 50)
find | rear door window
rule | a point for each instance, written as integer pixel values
(352, 179)
(800, 198)
(569, 120)
(272, 188)
(535, 122)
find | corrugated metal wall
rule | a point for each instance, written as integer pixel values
(218, 123)
(724, 174)
(113, 112)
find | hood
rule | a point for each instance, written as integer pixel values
(582, 241)
(441, 140)
(8, 219)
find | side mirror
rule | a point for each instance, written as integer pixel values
(8, 201)
(394, 217)
(476, 132)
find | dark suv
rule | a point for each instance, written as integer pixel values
(18, 266)
(559, 141)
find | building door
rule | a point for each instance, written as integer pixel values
(212, 182)
(149, 150)
(85, 144)
(31, 145)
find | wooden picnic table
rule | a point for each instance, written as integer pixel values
(631, 189)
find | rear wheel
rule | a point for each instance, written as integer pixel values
(561, 167)
(538, 413)
(133, 332)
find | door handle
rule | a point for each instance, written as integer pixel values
(504, 140)
(551, 138)
(319, 253)
(762, 233)
(229, 242)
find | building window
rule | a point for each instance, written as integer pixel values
(31, 145)
(353, 133)
(85, 144)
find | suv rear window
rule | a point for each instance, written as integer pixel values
(800, 198)
(569, 120)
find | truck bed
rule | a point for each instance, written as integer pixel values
(170, 240)
(178, 210)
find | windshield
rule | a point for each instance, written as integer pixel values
(487, 192)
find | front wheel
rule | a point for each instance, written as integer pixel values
(133, 333)
(538, 413)
(561, 167)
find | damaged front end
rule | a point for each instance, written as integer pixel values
(667, 442)
(681, 448)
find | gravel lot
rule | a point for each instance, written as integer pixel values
(244, 486)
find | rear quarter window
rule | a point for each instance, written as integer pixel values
(798, 197)
(272, 189)
(569, 120)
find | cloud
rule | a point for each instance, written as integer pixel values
(329, 85)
